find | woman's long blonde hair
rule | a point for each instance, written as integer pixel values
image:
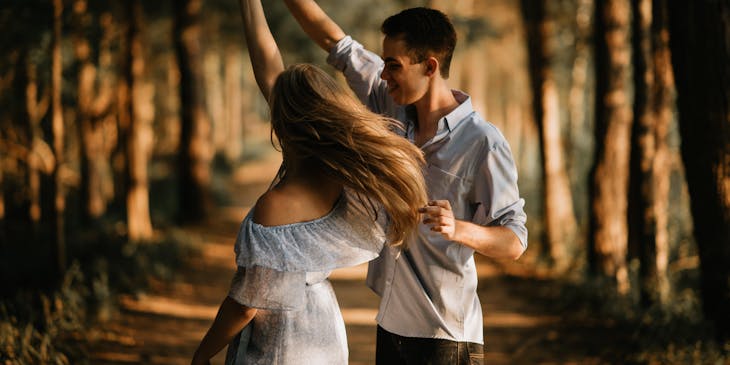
(315, 119)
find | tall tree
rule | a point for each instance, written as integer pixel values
(579, 70)
(560, 223)
(650, 165)
(581, 111)
(59, 194)
(700, 44)
(34, 110)
(195, 133)
(610, 175)
(3, 232)
(93, 104)
(234, 103)
(137, 137)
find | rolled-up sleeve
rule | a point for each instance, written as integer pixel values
(496, 192)
(362, 69)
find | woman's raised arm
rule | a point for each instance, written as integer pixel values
(265, 56)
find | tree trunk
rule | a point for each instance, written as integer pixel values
(650, 156)
(610, 175)
(234, 104)
(215, 99)
(35, 152)
(579, 109)
(700, 45)
(3, 232)
(138, 141)
(195, 140)
(35, 110)
(93, 105)
(560, 223)
(59, 198)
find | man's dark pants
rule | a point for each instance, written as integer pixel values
(392, 349)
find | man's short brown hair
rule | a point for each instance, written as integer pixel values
(426, 32)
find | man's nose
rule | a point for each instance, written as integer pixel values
(384, 74)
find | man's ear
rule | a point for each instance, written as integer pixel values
(432, 66)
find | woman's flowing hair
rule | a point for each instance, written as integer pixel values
(317, 120)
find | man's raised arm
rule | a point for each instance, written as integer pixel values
(313, 20)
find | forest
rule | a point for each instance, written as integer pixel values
(132, 135)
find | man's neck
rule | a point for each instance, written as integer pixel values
(435, 104)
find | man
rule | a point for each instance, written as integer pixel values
(429, 310)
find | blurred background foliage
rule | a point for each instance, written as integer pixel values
(124, 121)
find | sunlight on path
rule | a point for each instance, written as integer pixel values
(170, 307)
(502, 319)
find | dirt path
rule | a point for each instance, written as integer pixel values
(165, 326)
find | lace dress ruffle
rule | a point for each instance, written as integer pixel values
(288, 257)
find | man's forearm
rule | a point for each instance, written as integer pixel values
(315, 22)
(496, 242)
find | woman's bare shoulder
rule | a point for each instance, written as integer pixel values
(274, 208)
(290, 205)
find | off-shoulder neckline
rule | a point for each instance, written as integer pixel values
(335, 207)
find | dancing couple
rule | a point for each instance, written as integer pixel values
(408, 178)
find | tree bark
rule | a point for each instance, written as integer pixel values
(215, 99)
(35, 110)
(3, 231)
(93, 104)
(650, 155)
(579, 110)
(138, 141)
(59, 197)
(610, 175)
(700, 45)
(234, 106)
(195, 139)
(560, 222)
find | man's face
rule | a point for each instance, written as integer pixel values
(407, 81)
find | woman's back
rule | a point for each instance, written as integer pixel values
(283, 270)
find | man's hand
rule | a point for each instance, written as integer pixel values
(496, 242)
(440, 218)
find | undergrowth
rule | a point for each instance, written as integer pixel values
(675, 333)
(40, 325)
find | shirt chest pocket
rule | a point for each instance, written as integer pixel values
(444, 185)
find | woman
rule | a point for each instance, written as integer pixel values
(340, 162)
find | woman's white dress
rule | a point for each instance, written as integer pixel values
(283, 270)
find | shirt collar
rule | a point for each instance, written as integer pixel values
(447, 123)
(460, 113)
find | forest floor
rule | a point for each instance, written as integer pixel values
(165, 325)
